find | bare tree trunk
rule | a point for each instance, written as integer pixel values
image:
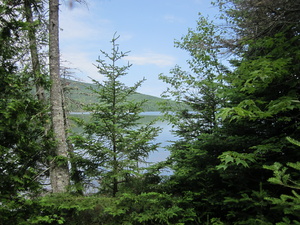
(74, 172)
(59, 171)
(36, 67)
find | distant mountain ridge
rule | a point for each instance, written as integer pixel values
(78, 94)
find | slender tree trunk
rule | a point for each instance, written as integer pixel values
(36, 67)
(115, 180)
(74, 172)
(59, 171)
(114, 141)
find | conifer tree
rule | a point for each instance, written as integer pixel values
(262, 104)
(114, 144)
(22, 119)
(259, 109)
(194, 154)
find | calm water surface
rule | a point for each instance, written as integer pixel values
(164, 137)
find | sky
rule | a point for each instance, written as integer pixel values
(147, 28)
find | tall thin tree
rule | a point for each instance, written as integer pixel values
(36, 66)
(59, 171)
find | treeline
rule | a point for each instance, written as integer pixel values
(236, 159)
(79, 94)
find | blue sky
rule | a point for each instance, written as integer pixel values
(147, 29)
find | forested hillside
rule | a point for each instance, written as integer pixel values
(236, 157)
(79, 94)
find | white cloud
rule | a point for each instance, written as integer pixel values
(81, 64)
(81, 34)
(152, 58)
(80, 23)
(76, 29)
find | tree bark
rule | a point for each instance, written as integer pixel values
(59, 171)
(74, 172)
(36, 67)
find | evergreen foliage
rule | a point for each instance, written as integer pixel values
(237, 157)
(23, 141)
(128, 208)
(262, 94)
(256, 108)
(113, 140)
(194, 155)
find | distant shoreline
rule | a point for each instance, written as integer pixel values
(147, 113)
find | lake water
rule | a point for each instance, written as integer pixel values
(164, 137)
